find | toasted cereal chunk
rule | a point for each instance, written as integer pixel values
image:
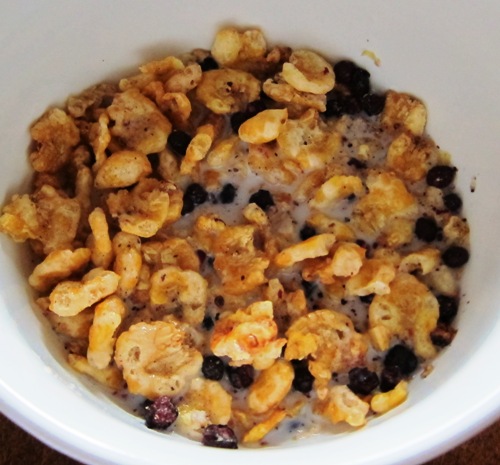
(71, 297)
(316, 246)
(409, 311)
(374, 277)
(271, 387)
(456, 230)
(99, 138)
(397, 232)
(404, 111)
(163, 68)
(260, 430)
(91, 97)
(263, 127)
(55, 134)
(248, 336)
(184, 80)
(231, 47)
(157, 359)
(58, 265)
(172, 287)
(172, 251)
(99, 241)
(306, 71)
(227, 90)
(325, 224)
(337, 188)
(442, 281)
(128, 262)
(424, 260)
(264, 161)
(138, 122)
(122, 169)
(177, 107)
(385, 401)
(108, 316)
(341, 404)
(109, 376)
(196, 151)
(387, 199)
(329, 341)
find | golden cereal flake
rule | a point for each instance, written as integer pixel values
(231, 47)
(157, 359)
(316, 246)
(122, 169)
(409, 311)
(263, 127)
(336, 188)
(403, 111)
(374, 277)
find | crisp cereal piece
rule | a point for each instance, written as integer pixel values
(248, 336)
(122, 169)
(337, 188)
(108, 316)
(325, 224)
(329, 341)
(168, 166)
(69, 298)
(263, 160)
(165, 67)
(341, 404)
(55, 134)
(456, 230)
(58, 265)
(442, 281)
(254, 214)
(172, 287)
(109, 376)
(84, 185)
(260, 430)
(409, 311)
(397, 232)
(222, 152)
(387, 199)
(271, 387)
(263, 127)
(128, 262)
(404, 111)
(172, 251)
(205, 403)
(145, 209)
(138, 122)
(93, 97)
(410, 158)
(231, 47)
(309, 185)
(308, 141)
(385, 401)
(306, 71)
(157, 359)
(374, 277)
(227, 90)
(316, 246)
(184, 80)
(207, 229)
(100, 137)
(424, 260)
(99, 241)
(177, 107)
(196, 151)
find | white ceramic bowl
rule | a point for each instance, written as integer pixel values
(444, 52)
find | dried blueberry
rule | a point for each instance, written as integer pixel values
(212, 367)
(227, 194)
(402, 357)
(219, 436)
(373, 104)
(360, 82)
(161, 413)
(344, 70)
(367, 299)
(194, 195)
(219, 301)
(207, 323)
(455, 256)
(178, 142)
(443, 335)
(262, 198)
(389, 378)
(452, 202)
(362, 381)
(240, 377)
(339, 104)
(209, 63)
(448, 308)
(357, 163)
(306, 232)
(426, 229)
(309, 288)
(303, 379)
(441, 176)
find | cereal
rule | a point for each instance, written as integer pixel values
(241, 234)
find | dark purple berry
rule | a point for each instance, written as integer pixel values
(262, 198)
(344, 70)
(339, 104)
(452, 202)
(306, 232)
(303, 379)
(448, 308)
(178, 142)
(373, 104)
(161, 413)
(389, 378)
(441, 176)
(240, 377)
(402, 357)
(219, 301)
(209, 63)
(443, 335)
(426, 229)
(227, 194)
(194, 195)
(219, 436)
(356, 163)
(455, 256)
(207, 323)
(362, 381)
(212, 367)
(360, 82)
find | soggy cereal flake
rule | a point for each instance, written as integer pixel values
(157, 359)
(409, 311)
(177, 107)
(260, 430)
(196, 151)
(374, 277)
(248, 336)
(337, 188)
(109, 376)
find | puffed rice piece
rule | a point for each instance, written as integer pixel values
(108, 316)
(231, 47)
(157, 359)
(184, 80)
(316, 246)
(177, 107)
(128, 262)
(197, 149)
(100, 137)
(99, 241)
(172, 251)
(94, 96)
(263, 127)
(385, 401)
(248, 336)
(265, 161)
(122, 169)
(409, 311)
(69, 298)
(404, 111)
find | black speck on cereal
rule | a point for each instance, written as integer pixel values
(389, 378)
(373, 104)
(303, 379)
(443, 335)
(240, 377)
(357, 163)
